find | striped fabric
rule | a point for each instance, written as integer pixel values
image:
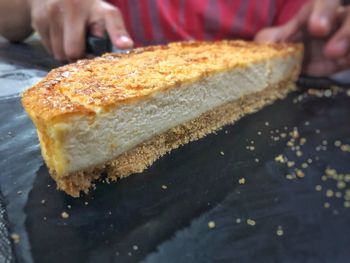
(160, 21)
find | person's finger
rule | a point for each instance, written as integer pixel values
(97, 28)
(56, 31)
(326, 67)
(291, 31)
(74, 33)
(40, 25)
(323, 17)
(44, 33)
(339, 45)
(116, 29)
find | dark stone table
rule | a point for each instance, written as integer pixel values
(192, 205)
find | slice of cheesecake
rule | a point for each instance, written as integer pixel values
(117, 114)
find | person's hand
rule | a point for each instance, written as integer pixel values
(324, 28)
(63, 25)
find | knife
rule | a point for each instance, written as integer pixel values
(100, 45)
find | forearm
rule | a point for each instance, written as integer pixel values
(15, 24)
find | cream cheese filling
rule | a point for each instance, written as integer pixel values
(87, 144)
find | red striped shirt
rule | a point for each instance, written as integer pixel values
(160, 21)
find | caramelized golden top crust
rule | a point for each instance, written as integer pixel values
(104, 82)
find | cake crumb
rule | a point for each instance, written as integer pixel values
(251, 222)
(45, 218)
(164, 187)
(283, 135)
(318, 187)
(347, 204)
(295, 133)
(290, 164)
(16, 238)
(318, 131)
(64, 215)
(290, 177)
(304, 165)
(69, 206)
(299, 173)
(241, 180)
(222, 153)
(327, 205)
(251, 148)
(299, 153)
(135, 247)
(338, 194)
(302, 141)
(279, 231)
(238, 220)
(19, 192)
(337, 143)
(259, 132)
(256, 160)
(329, 193)
(86, 202)
(345, 148)
(43, 201)
(280, 158)
(328, 93)
(267, 123)
(341, 185)
(211, 224)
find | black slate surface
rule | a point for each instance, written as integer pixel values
(136, 219)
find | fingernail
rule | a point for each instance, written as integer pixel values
(323, 22)
(125, 41)
(341, 46)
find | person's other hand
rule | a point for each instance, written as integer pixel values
(63, 25)
(324, 28)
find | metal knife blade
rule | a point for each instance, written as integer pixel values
(100, 45)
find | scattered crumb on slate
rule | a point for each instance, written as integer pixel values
(329, 193)
(135, 247)
(16, 238)
(64, 215)
(279, 231)
(241, 180)
(222, 153)
(251, 222)
(280, 159)
(164, 187)
(318, 187)
(211, 224)
(299, 173)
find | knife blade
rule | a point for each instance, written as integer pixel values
(100, 45)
